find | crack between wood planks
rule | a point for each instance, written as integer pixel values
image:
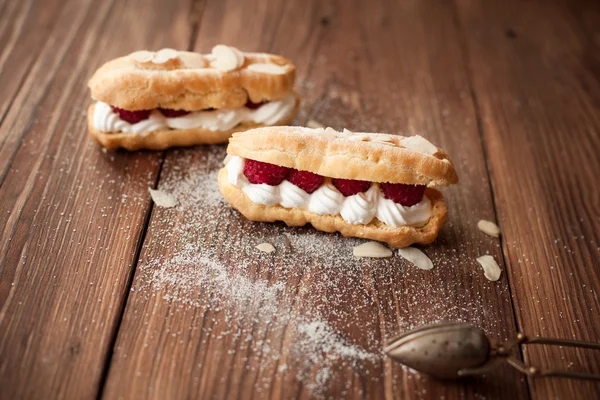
(476, 105)
(196, 10)
(129, 283)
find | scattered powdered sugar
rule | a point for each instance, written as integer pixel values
(327, 348)
(310, 314)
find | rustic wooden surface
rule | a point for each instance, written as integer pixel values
(103, 295)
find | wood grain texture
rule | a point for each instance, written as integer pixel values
(535, 72)
(71, 216)
(511, 90)
(26, 56)
(210, 316)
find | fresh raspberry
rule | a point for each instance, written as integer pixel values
(170, 113)
(350, 187)
(253, 106)
(132, 116)
(407, 195)
(261, 172)
(305, 180)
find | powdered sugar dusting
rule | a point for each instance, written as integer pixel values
(309, 315)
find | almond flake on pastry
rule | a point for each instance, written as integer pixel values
(157, 100)
(419, 144)
(162, 59)
(227, 58)
(272, 69)
(380, 138)
(301, 175)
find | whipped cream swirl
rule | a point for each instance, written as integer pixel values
(358, 209)
(106, 120)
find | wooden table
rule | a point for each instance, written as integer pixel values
(103, 295)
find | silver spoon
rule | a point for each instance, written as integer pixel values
(450, 350)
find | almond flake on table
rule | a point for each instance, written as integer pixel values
(416, 257)
(491, 269)
(371, 250)
(489, 228)
(266, 247)
(162, 199)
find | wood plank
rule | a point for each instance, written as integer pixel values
(72, 216)
(535, 71)
(210, 316)
(31, 31)
(20, 46)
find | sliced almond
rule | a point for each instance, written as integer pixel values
(142, 56)
(416, 257)
(489, 228)
(162, 199)
(372, 137)
(491, 269)
(314, 124)
(266, 247)
(419, 144)
(164, 55)
(272, 69)
(227, 58)
(371, 250)
(240, 56)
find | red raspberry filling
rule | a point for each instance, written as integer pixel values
(407, 195)
(261, 172)
(170, 113)
(350, 187)
(305, 180)
(132, 117)
(254, 106)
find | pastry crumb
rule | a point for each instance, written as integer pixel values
(162, 199)
(266, 247)
(314, 124)
(371, 250)
(416, 257)
(491, 269)
(489, 228)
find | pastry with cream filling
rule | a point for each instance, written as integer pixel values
(367, 185)
(157, 100)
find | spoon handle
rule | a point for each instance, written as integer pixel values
(563, 342)
(546, 373)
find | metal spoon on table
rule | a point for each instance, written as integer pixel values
(451, 350)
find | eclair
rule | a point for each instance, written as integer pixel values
(156, 100)
(367, 185)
